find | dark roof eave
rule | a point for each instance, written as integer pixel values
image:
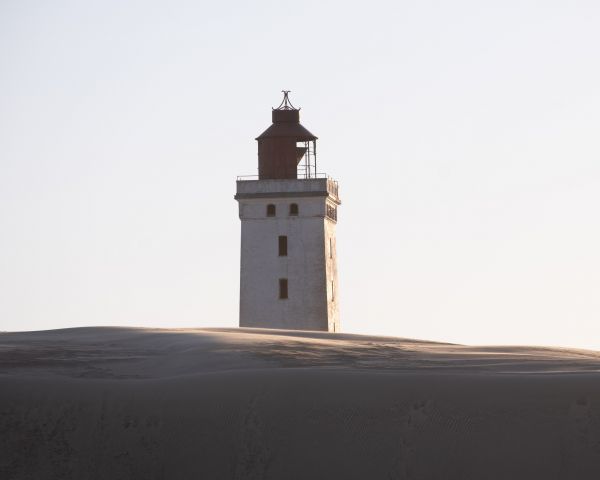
(294, 130)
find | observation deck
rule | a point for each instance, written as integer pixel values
(320, 185)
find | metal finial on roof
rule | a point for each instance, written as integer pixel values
(285, 103)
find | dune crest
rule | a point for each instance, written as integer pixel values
(109, 402)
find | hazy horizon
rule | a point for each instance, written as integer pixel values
(464, 138)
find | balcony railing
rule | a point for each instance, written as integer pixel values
(300, 177)
(332, 187)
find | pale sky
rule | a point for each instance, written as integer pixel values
(464, 136)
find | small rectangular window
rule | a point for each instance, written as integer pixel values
(282, 245)
(332, 291)
(270, 210)
(330, 248)
(283, 288)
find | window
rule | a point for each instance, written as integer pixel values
(332, 212)
(332, 292)
(282, 245)
(270, 210)
(283, 288)
(294, 209)
(330, 248)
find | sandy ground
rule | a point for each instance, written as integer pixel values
(123, 403)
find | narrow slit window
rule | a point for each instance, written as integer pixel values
(283, 244)
(270, 210)
(283, 288)
(330, 248)
(332, 291)
(294, 210)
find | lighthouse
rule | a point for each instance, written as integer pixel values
(288, 214)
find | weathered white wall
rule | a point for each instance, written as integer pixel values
(333, 291)
(309, 267)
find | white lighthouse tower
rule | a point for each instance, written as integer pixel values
(288, 276)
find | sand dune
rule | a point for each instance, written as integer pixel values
(123, 403)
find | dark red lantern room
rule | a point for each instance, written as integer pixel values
(286, 150)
